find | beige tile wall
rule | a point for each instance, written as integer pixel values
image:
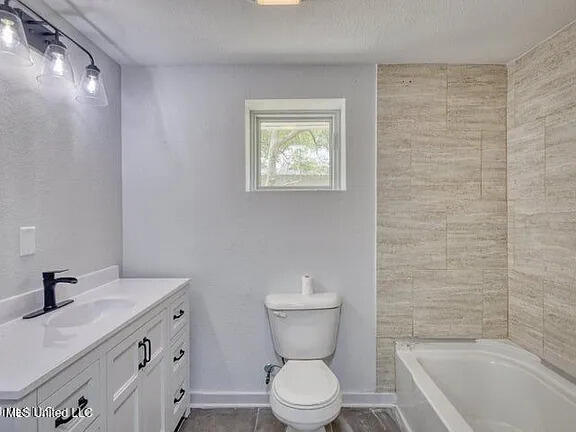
(542, 200)
(442, 215)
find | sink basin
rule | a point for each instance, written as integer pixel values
(86, 313)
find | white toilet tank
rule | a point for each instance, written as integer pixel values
(304, 327)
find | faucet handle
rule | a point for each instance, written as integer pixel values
(50, 274)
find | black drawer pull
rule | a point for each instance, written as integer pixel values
(182, 352)
(145, 361)
(179, 315)
(149, 350)
(82, 403)
(179, 398)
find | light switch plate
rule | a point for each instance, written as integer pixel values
(27, 240)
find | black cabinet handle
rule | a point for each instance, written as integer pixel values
(179, 398)
(149, 350)
(82, 403)
(182, 352)
(179, 315)
(145, 361)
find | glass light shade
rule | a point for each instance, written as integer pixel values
(57, 71)
(91, 90)
(14, 47)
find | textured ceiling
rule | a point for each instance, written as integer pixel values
(318, 31)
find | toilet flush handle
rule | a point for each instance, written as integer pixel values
(280, 314)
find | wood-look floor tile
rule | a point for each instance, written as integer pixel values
(221, 420)
(387, 418)
(263, 420)
(235, 420)
(267, 422)
(199, 420)
(357, 420)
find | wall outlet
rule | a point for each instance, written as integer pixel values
(27, 241)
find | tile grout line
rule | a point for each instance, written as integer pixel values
(377, 418)
(545, 127)
(481, 165)
(257, 418)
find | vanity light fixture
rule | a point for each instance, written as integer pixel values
(57, 69)
(91, 90)
(278, 2)
(14, 47)
(22, 28)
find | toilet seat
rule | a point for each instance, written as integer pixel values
(305, 385)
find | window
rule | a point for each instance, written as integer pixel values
(295, 144)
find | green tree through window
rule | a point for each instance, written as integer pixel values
(294, 154)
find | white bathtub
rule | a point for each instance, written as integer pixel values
(483, 386)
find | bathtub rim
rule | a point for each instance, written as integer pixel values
(409, 352)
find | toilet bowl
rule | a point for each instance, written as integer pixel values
(306, 395)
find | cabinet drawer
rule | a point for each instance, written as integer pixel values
(81, 392)
(179, 310)
(179, 399)
(178, 357)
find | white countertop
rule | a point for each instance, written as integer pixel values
(32, 352)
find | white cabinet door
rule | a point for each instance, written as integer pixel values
(153, 377)
(136, 380)
(124, 392)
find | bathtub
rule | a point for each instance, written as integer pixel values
(482, 386)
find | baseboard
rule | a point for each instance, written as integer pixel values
(361, 400)
(228, 400)
(254, 400)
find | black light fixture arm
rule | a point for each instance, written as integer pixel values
(57, 31)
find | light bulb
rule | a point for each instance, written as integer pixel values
(92, 85)
(58, 64)
(7, 33)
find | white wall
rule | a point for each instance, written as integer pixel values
(186, 213)
(60, 170)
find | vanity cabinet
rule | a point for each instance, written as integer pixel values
(134, 381)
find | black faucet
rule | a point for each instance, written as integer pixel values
(50, 281)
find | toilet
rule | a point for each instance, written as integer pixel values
(305, 394)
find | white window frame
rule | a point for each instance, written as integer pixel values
(306, 109)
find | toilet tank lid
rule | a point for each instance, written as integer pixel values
(302, 301)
